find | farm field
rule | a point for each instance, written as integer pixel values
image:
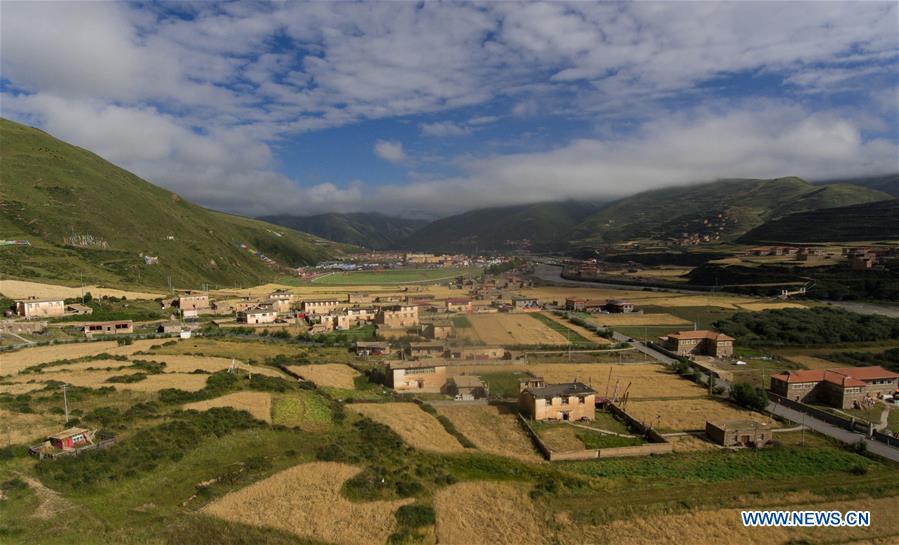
(513, 329)
(306, 410)
(491, 430)
(711, 526)
(688, 414)
(417, 428)
(22, 289)
(13, 362)
(583, 332)
(642, 380)
(188, 382)
(463, 516)
(334, 375)
(248, 351)
(558, 437)
(396, 276)
(258, 404)
(210, 364)
(305, 500)
(632, 318)
(16, 428)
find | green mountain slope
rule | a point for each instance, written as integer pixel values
(535, 226)
(860, 222)
(86, 216)
(367, 229)
(888, 183)
(720, 210)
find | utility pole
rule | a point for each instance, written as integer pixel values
(65, 401)
(81, 275)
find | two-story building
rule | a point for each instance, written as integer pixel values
(262, 314)
(437, 330)
(568, 401)
(427, 349)
(458, 304)
(40, 308)
(843, 388)
(354, 317)
(701, 342)
(398, 316)
(416, 376)
(194, 301)
(324, 306)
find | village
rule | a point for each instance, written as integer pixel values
(491, 362)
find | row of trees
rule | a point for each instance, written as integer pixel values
(819, 325)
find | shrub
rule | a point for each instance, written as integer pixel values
(745, 395)
(415, 516)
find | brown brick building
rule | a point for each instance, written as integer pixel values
(416, 376)
(701, 342)
(840, 388)
(568, 401)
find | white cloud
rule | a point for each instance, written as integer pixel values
(389, 150)
(194, 104)
(444, 128)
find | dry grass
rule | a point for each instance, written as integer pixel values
(305, 500)
(632, 318)
(415, 426)
(646, 380)
(154, 383)
(230, 348)
(20, 388)
(20, 289)
(474, 513)
(258, 404)
(139, 345)
(86, 379)
(811, 362)
(688, 414)
(13, 362)
(701, 527)
(188, 364)
(21, 428)
(580, 330)
(331, 375)
(504, 329)
(561, 437)
(491, 430)
(690, 443)
(90, 364)
(665, 274)
(773, 305)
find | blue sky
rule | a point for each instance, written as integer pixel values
(426, 109)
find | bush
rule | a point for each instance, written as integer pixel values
(745, 395)
(415, 516)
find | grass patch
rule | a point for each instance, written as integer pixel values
(596, 440)
(576, 338)
(304, 409)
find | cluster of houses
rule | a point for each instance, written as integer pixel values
(872, 258)
(609, 306)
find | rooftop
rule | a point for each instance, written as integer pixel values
(700, 334)
(845, 376)
(67, 433)
(564, 389)
(417, 364)
(739, 424)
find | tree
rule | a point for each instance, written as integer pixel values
(745, 395)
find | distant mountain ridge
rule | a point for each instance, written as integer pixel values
(888, 183)
(367, 229)
(84, 215)
(539, 226)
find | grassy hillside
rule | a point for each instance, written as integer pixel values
(888, 183)
(860, 222)
(723, 209)
(537, 226)
(370, 230)
(84, 215)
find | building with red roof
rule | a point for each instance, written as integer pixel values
(843, 388)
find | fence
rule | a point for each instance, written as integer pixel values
(657, 445)
(854, 425)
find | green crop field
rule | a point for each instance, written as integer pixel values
(392, 276)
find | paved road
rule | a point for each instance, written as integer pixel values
(839, 434)
(655, 354)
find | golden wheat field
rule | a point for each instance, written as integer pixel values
(506, 328)
(633, 318)
(769, 305)
(229, 348)
(13, 362)
(188, 364)
(641, 380)
(711, 527)
(332, 375)
(489, 513)
(85, 379)
(20, 289)
(139, 345)
(688, 414)
(580, 330)
(491, 430)
(17, 428)
(305, 500)
(20, 388)
(188, 382)
(89, 364)
(258, 404)
(417, 428)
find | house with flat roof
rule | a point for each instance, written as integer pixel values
(437, 330)
(844, 388)
(398, 316)
(458, 304)
(525, 304)
(739, 433)
(262, 314)
(465, 388)
(197, 301)
(427, 349)
(478, 352)
(40, 308)
(416, 376)
(700, 342)
(325, 306)
(567, 401)
(120, 327)
(371, 348)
